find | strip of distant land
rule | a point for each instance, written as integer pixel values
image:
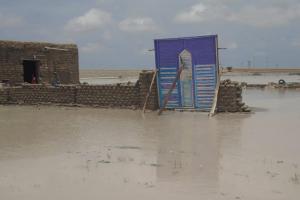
(117, 73)
(287, 70)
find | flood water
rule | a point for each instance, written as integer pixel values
(97, 77)
(83, 153)
(261, 78)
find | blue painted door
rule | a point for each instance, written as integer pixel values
(196, 86)
(205, 83)
(166, 77)
(167, 61)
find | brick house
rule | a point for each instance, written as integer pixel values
(38, 62)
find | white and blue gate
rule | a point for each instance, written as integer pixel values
(198, 80)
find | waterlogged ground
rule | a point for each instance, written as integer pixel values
(82, 153)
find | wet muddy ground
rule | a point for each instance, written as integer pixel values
(83, 153)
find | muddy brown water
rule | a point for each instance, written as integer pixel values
(83, 153)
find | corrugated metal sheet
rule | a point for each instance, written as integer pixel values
(204, 59)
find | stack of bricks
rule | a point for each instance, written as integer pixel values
(145, 80)
(230, 98)
(121, 96)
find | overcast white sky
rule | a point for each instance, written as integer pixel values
(118, 33)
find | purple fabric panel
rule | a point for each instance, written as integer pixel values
(167, 52)
(203, 49)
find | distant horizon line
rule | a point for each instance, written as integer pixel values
(146, 68)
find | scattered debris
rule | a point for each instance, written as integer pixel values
(281, 82)
(104, 162)
(272, 174)
(128, 147)
(155, 165)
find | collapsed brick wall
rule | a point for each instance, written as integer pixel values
(119, 95)
(59, 58)
(230, 97)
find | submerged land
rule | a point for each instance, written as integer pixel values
(51, 152)
(253, 76)
(57, 153)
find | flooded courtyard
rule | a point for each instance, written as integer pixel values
(85, 153)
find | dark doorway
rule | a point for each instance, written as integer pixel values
(31, 69)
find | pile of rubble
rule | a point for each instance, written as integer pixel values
(230, 97)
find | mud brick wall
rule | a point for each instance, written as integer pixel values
(40, 94)
(118, 95)
(59, 58)
(3, 96)
(230, 97)
(145, 82)
(108, 95)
